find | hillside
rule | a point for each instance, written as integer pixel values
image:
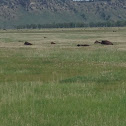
(18, 12)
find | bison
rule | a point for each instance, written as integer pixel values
(27, 43)
(106, 42)
(53, 43)
(83, 45)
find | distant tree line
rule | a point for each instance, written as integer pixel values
(73, 25)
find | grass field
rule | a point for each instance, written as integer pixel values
(62, 84)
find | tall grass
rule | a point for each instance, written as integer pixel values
(61, 84)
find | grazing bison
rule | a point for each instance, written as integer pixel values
(106, 42)
(27, 43)
(83, 45)
(53, 43)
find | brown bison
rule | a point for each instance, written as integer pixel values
(106, 42)
(83, 45)
(27, 43)
(53, 43)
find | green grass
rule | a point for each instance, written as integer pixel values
(62, 84)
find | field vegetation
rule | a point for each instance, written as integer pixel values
(62, 84)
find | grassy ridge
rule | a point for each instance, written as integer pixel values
(62, 85)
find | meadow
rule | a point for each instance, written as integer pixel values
(62, 84)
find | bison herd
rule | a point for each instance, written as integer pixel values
(103, 42)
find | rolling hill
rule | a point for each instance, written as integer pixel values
(22, 12)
